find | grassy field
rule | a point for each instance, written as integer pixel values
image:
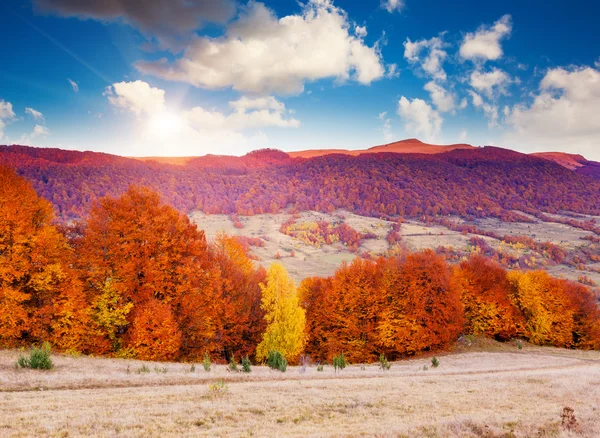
(310, 261)
(482, 390)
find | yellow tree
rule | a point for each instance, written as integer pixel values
(285, 318)
(546, 307)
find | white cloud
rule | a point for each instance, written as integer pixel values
(386, 128)
(432, 63)
(197, 130)
(248, 114)
(441, 98)
(490, 111)
(562, 116)
(392, 71)
(490, 83)
(6, 110)
(138, 97)
(463, 135)
(171, 22)
(37, 132)
(463, 103)
(6, 115)
(73, 85)
(420, 119)
(476, 98)
(35, 114)
(485, 43)
(261, 53)
(360, 31)
(392, 5)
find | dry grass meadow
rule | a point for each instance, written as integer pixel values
(481, 390)
(324, 261)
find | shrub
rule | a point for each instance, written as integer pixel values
(246, 365)
(435, 362)
(319, 367)
(206, 362)
(519, 344)
(193, 368)
(383, 362)
(143, 369)
(39, 358)
(159, 370)
(232, 364)
(339, 362)
(276, 361)
(218, 387)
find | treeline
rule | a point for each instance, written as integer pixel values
(418, 302)
(487, 182)
(138, 279)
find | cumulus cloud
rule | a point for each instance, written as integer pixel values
(490, 83)
(392, 5)
(37, 132)
(6, 115)
(420, 119)
(489, 110)
(429, 54)
(73, 85)
(171, 22)
(441, 98)
(261, 53)
(562, 116)
(386, 128)
(197, 130)
(484, 44)
(138, 97)
(248, 114)
(35, 114)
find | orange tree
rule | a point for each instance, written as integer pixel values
(40, 297)
(146, 255)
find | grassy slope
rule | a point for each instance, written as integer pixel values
(479, 390)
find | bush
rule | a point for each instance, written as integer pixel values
(319, 367)
(193, 368)
(217, 388)
(39, 359)
(232, 364)
(339, 362)
(206, 362)
(519, 344)
(246, 365)
(276, 361)
(383, 363)
(435, 362)
(143, 369)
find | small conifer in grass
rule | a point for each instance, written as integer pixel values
(435, 362)
(276, 361)
(232, 364)
(206, 362)
(39, 358)
(246, 365)
(339, 362)
(383, 362)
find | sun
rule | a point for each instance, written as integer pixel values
(164, 123)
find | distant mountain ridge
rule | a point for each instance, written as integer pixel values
(428, 181)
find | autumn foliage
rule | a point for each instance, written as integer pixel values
(138, 279)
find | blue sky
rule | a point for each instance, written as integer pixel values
(178, 77)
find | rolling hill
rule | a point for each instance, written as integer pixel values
(461, 180)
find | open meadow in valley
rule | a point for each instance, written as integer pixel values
(482, 389)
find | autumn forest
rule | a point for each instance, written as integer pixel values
(132, 277)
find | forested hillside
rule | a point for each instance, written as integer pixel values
(479, 182)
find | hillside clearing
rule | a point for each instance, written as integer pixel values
(494, 391)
